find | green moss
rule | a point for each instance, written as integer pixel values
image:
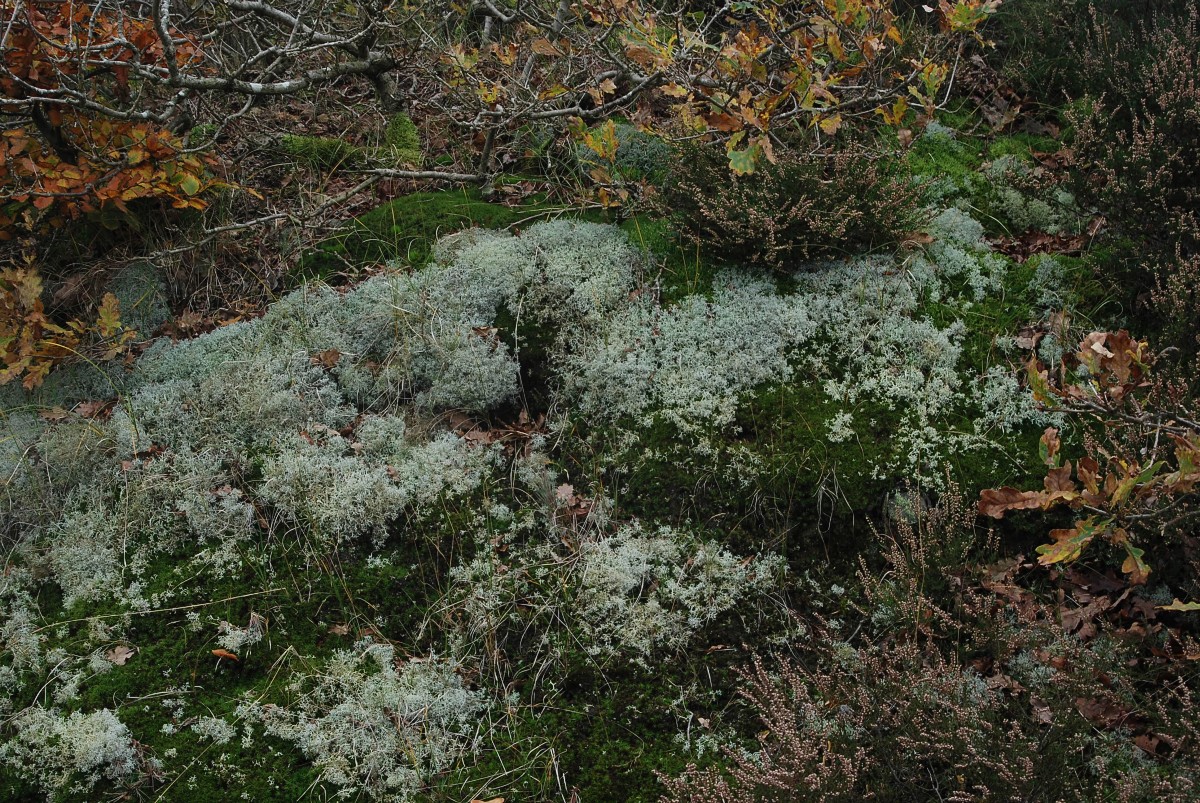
(402, 140)
(943, 156)
(789, 424)
(1021, 145)
(802, 482)
(607, 734)
(681, 270)
(406, 228)
(322, 153)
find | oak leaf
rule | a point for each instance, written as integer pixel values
(120, 654)
(995, 502)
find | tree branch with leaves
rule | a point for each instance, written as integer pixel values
(1139, 480)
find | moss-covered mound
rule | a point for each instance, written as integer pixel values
(470, 529)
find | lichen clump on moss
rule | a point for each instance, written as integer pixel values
(373, 729)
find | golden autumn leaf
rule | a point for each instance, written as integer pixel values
(831, 124)
(1178, 605)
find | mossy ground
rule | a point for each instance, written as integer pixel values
(405, 229)
(601, 727)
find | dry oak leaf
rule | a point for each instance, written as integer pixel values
(995, 502)
(327, 359)
(120, 654)
(1179, 605)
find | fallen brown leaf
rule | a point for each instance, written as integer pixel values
(120, 654)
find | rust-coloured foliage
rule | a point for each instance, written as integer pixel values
(73, 148)
(67, 74)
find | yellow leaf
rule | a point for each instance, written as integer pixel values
(1177, 605)
(743, 162)
(553, 92)
(108, 320)
(644, 56)
(831, 124)
(506, 55)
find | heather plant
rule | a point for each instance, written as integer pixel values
(1050, 47)
(798, 209)
(1176, 294)
(962, 683)
(1135, 139)
(892, 723)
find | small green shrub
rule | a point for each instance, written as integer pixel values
(957, 684)
(1143, 166)
(1050, 47)
(798, 209)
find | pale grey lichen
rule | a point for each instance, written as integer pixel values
(690, 362)
(1023, 210)
(1006, 406)
(319, 431)
(639, 155)
(1047, 283)
(215, 729)
(641, 591)
(959, 254)
(83, 553)
(53, 750)
(620, 589)
(374, 728)
(855, 325)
